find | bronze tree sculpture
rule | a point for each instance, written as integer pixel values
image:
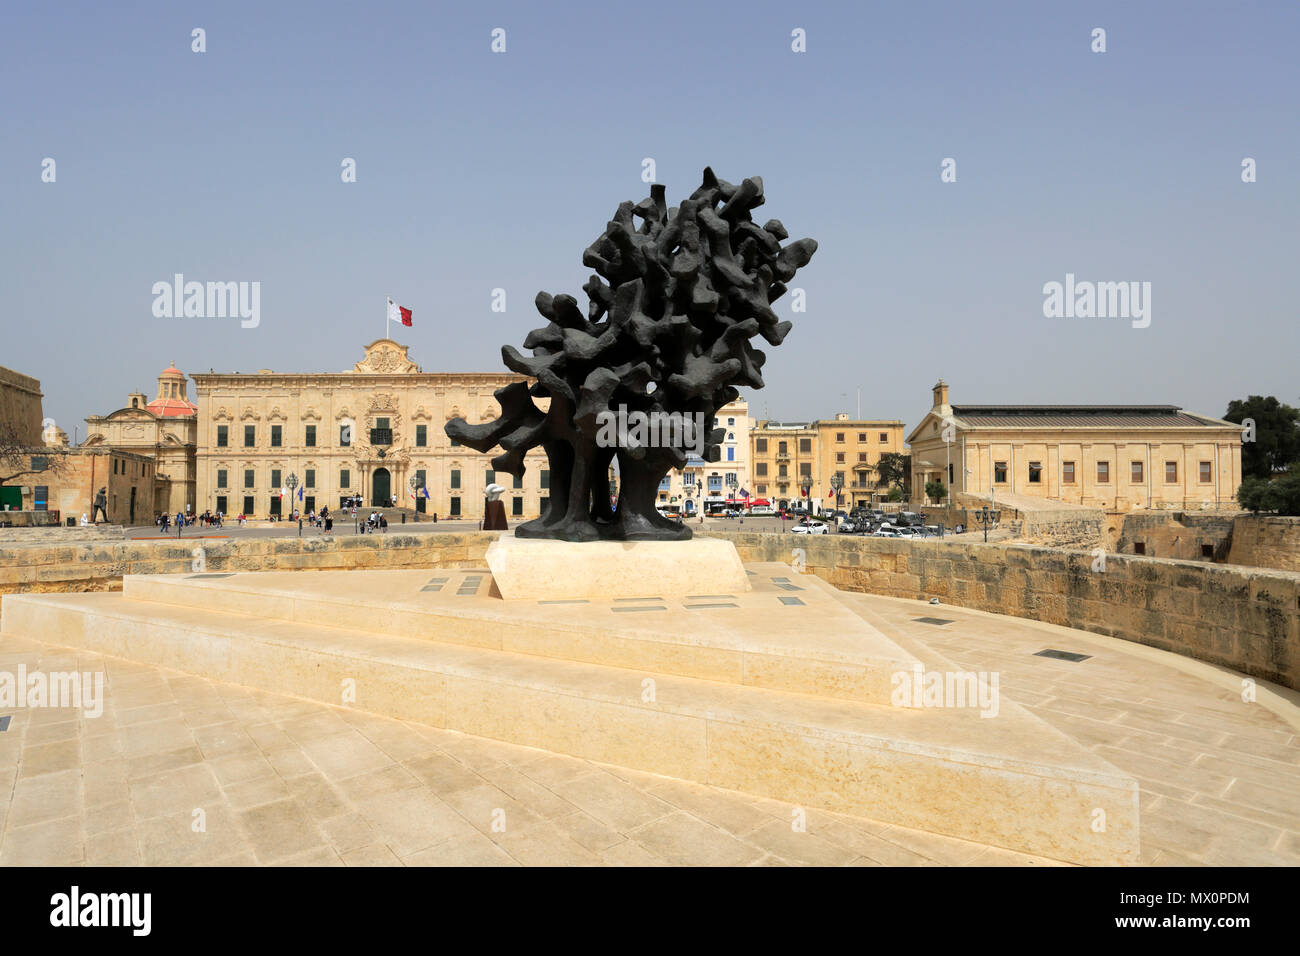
(676, 299)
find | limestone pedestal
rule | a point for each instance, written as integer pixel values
(533, 569)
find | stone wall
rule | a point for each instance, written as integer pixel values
(100, 566)
(1178, 535)
(27, 536)
(1243, 618)
(20, 407)
(1266, 541)
(26, 520)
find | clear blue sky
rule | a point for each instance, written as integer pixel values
(479, 170)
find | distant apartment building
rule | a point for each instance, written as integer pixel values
(700, 485)
(822, 462)
(1115, 457)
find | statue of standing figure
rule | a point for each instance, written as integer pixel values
(101, 507)
(494, 509)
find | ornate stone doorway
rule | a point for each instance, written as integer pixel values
(381, 494)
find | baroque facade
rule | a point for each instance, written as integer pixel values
(1115, 457)
(375, 431)
(164, 431)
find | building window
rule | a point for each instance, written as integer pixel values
(455, 478)
(862, 438)
(862, 458)
(275, 479)
(839, 458)
(761, 469)
(715, 484)
(455, 506)
(345, 436)
(277, 433)
(248, 504)
(731, 454)
(1103, 472)
(309, 504)
(1171, 472)
(884, 436)
(545, 479)
(1067, 472)
(518, 482)
(381, 434)
(1135, 472)
(782, 471)
(1207, 473)
(1035, 473)
(421, 436)
(223, 436)
(310, 480)
(731, 423)
(516, 507)
(275, 505)
(310, 439)
(839, 438)
(250, 436)
(221, 504)
(1000, 472)
(248, 479)
(1139, 547)
(1207, 550)
(762, 489)
(489, 476)
(760, 446)
(782, 448)
(805, 469)
(805, 446)
(221, 477)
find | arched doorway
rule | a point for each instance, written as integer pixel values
(381, 495)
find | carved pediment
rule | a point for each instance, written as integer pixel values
(223, 415)
(249, 414)
(311, 415)
(421, 414)
(386, 357)
(275, 415)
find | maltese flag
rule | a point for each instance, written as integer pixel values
(398, 314)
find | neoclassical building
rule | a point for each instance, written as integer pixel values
(1115, 457)
(375, 431)
(162, 430)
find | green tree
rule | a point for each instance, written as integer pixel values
(1251, 494)
(1277, 435)
(892, 469)
(935, 490)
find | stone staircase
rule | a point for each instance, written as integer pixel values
(783, 691)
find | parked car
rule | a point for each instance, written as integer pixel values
(885, 531)
(847, 526)
(808, 526)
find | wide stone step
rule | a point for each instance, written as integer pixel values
(788, 632)
(1012, 781)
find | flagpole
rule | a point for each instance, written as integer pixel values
(388, 317)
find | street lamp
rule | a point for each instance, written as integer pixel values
(837, 482)
(732, 484)
(987, 517)
(414, 482)
(292, 483)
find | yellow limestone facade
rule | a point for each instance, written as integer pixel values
(162, 430)
(368, 431)
(790, 456)
(1115, 457)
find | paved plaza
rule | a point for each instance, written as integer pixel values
(183, 770)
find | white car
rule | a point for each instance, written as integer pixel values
(809, 527)
(885, 532)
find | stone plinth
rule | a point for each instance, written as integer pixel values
(532, 569)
